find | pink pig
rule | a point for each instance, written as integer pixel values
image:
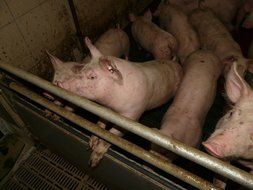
(214, 36)
(225, 10)
(114, 42)
(195, 95)
(174, 20)
(126, 87)
(152, 38)
(233, 137)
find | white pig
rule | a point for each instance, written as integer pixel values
(195, 95)
(214, 36)
(175, 21)
(233, 137)
(114, 42)
(126, 87)
(153, 39)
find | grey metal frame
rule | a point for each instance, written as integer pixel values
(214, 164)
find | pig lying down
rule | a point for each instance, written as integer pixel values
(233, 137)
(126, 87)
(174, 20)
(153, 39)
(186, 115)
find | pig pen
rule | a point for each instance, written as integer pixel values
(45, 147)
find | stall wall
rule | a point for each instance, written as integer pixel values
(29, 27)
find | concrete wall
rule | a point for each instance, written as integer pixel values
(29, 27)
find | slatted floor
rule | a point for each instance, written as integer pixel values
(44, 170)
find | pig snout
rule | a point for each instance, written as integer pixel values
(215, 148)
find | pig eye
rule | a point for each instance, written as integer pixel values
(230, 114)
(111, 69)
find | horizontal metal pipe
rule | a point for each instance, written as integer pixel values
(124, 144)
(214, 164)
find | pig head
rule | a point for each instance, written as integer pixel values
(233, 137)
(92, 80)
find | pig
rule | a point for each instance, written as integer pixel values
(225, 10)
(114, 42)
(233, 137)
(214, 36)
(126, 87)
(153, 39)
(173, 20)
(245, 15)
(185, 117)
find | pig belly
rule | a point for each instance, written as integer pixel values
(185, 117)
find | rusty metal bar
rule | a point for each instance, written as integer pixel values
(214, 164)
(122, 143)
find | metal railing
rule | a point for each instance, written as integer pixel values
(214, 164)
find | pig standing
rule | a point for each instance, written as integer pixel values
(195, 95)
(152, 38)
(214, 36)
(225, 10)
(173, 20)
(126, 87)
(114, 42)
(233, 137)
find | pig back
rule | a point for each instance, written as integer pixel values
(174, 20)
(193, 98)
(198, 87)
(113, 42)
(214, 35)
(164, 77)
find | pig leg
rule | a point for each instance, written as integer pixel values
(94, 140)
(101, 148)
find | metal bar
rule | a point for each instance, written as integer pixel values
(212, 163)
(16, 118)
(77, 25)
(122, 143)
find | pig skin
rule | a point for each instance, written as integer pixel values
(126, 87)
(214, 36)
(184, 119)
(114, 42)
(225, 10)
(175, 21)
(153, 39)
(233, 137)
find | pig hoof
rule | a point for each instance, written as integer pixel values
(93, 143)
(98, 152)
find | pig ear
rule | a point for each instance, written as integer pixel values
(111, 68)
(148, 15)
(93, 50)
(132, 17)
(235, 84)
(77, 68)
(57, 63)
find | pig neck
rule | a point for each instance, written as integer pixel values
(127, 98)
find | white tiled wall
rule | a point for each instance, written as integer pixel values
(28, 27)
